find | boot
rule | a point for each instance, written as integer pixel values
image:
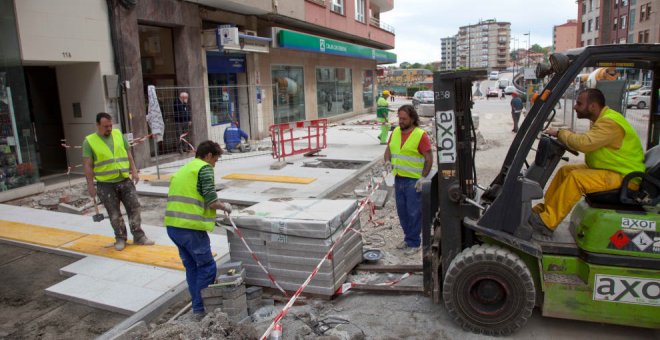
(120, 244)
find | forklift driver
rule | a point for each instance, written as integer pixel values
(612, 150)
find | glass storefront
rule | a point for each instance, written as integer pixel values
(334, 90)
(289, 97)
(223, 95)
(18, 162)
(368, 88)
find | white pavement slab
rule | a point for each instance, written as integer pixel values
(357, 143)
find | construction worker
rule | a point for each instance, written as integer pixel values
(382, 113)
(408, 157)
(612, 150)
(190, 213)
(106, 159)
(233, 136)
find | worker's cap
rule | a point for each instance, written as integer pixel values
(386, 93)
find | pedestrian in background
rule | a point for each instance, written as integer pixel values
(516, 110)
(182, 120)
(189, 216)
(408, 156)
(107, 159)
(392, 94)
(382, 114)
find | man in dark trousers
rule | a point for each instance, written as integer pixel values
(108, 160)
(408, 155)
(182, 120)
(516, 110)
(190, 213)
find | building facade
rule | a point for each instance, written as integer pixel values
(564, 36)
(618, 22)
(644, 21)
(590, 22)
(252, 62)
(483, 45)
(448, 53)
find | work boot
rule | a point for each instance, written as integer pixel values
(412, 251)
(198, 316)
(120, 244)
(538, 225)
(402, 245)
(144, 241)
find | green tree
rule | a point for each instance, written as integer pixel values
(536, 48)
(404, 64)
(429, 67)
(416, 65)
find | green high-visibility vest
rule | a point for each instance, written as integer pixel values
(109, 164)
(406, 160)
(383, 108)
(185, 206)
(628, 158)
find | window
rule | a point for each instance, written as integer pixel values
(223, 98)
(359, 10)
(582, 43)
(645, 12)
(589, 25)
(368, 88)
(334, 90)
(588, 42)
(583, 24)
(595, 41)
(615, 24)
(624, 3)
(584, 6)
(643, 36)
(289, 93)
(616, 3)
(597, 23)
(623, 22)
(338, 6)
(591, 5)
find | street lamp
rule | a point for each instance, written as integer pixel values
(529, 35)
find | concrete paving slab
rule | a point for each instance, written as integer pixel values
(122, 272)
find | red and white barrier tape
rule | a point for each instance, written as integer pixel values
(254, 256)
(185, 141)
(295, 296)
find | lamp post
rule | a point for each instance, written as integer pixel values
(528, 34)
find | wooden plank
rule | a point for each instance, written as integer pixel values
(389, 289)
(270, 178)
(43, 236)
(400, 268)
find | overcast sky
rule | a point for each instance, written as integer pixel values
(419, 24)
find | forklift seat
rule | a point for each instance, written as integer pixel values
(625, 198)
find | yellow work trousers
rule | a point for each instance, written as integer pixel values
(568, 186)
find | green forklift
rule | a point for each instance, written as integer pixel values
(479, 253)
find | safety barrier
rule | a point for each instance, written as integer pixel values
(284, 137)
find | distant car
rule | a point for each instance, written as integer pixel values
(422, 97)
(639, 99)
(494, 75)
(503, 83)
(492, 92)
(509, 89)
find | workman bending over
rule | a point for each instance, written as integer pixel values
(190, 213)
(233, 136)
(612, 150)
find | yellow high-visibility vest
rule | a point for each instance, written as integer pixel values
(406, 160)
(108, 164)
(185, 206)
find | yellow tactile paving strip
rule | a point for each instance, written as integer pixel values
(156, 255)
(151, 178)
(270, 178)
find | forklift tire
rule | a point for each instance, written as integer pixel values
(489, 290)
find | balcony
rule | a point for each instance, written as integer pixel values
(250, 7)
(373, 21)
(383, 5)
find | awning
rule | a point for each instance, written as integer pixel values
(311, 43)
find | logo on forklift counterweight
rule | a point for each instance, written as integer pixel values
(445, 136)
(632, 223)
(627, 289)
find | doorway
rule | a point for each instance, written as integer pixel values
(46, 117)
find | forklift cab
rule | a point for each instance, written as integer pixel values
(602, 264)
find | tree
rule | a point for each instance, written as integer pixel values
(416, 65)
(404, 64)
(536, 48)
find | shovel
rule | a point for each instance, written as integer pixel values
(98, 217)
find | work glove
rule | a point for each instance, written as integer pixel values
(388, 167)
(418, 185)
(226, 207)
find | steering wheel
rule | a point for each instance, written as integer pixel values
(557, 142)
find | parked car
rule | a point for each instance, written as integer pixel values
(422, 97)
(494, 75)
(509, 89)
(492, 92)
(639, 99)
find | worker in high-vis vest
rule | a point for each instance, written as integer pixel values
(408, 157)
(189, 216)
(382, 113)
(612, 150)
(108, 161)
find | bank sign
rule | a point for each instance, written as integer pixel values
(627, 289)
(311, 43)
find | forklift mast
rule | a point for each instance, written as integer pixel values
(454, 184)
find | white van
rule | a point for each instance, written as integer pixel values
(503, 83)
(494, 75)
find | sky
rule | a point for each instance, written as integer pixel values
(419, 24)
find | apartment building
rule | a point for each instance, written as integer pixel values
(483, 45)
(564, 36)
(249, 61)
(590, 22)
(448, 53)
(618, 22)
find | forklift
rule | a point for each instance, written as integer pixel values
(479, 253)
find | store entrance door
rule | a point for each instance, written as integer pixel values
(46, 117)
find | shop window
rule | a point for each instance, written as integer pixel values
(289, 89)
(368, 88)
(334, 90)
(223, 97)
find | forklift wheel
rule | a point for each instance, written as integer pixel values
(489, 290)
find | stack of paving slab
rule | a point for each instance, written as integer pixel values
(291, 237)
